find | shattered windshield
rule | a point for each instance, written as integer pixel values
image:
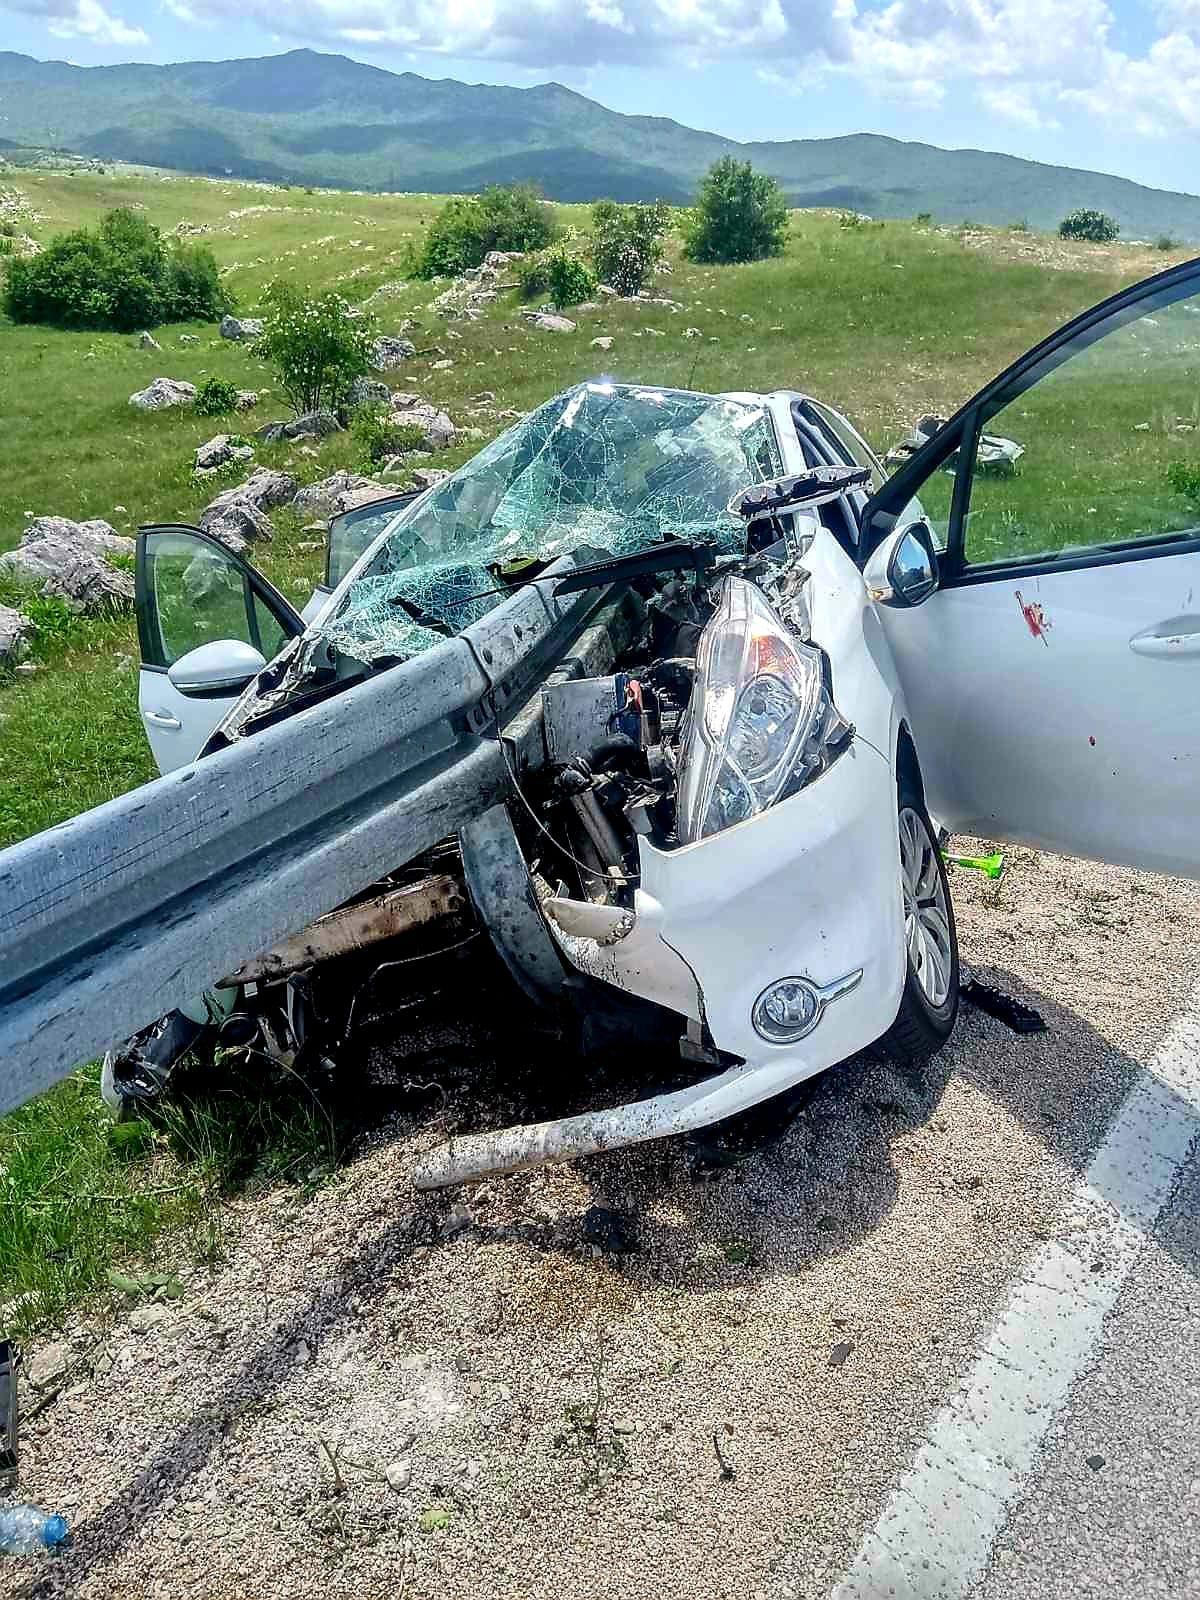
(604, 466)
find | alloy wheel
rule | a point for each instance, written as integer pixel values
(926, 913)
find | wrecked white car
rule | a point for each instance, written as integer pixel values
(724, 796)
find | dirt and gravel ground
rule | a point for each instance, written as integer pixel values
(505, 1392)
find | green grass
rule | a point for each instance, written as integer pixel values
(83, 1198)
(885, 323)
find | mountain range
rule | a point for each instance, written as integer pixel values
(305, 117)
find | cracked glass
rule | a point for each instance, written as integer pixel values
(604, 468)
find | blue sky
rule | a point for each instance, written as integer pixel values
(1108, 84)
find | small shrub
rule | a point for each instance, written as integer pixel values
(8, 230)
(1020, 226)
(852, 219)
(1184, 478)
(740, 215)
(466, 229)
(925, 217)
(8, 247)
(1165, 242)
(120, 276)
(566, 278)
(379, 433)
(1097, 227)
(215, 397)
(315, 347)
(627, 242)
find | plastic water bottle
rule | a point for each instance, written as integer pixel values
(27, 1530)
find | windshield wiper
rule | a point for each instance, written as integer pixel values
(676, 555)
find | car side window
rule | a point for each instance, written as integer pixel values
(1101, 449)
(197, 596)
(191, 592)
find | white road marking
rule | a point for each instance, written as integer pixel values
(935, 1534)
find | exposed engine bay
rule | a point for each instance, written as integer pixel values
(713, 703)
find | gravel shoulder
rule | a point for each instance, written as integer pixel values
(548, 1406)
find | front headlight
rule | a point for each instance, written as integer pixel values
(760, 723)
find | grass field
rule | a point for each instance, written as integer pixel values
(885, 322)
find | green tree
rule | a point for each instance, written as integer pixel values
(1096, 226)
(740, 215)
(120, 275)
(315, 346)
(627, 242)
(503, 217)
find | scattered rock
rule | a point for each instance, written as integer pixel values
(48, 1363)
(243, 328)
(219, 451)
(840, 1351)
(399, 1475)
(1096, 1462)
(436, 426)
(549, 321)
(603, 343)
(266, 488)
(442, 366)
(501, 258)
(143, 1318)
(691, 333)
(329, 496)
(189, 338)
(610, 1230)
(606, 291)
(625, 1425)
(95, 534)
(367, 392)
(247, 399)
(164, 392)
(426, 477)
(485, 397)
(15, 629)
(66, 559)
(389, 352)
(147, 341)
(235, 520)
(312, 425)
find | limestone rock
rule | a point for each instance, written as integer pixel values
(162, 393)
(241, 328)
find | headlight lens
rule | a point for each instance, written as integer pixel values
(760, 722)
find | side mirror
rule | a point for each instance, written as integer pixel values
(903, 571)
(216, 670)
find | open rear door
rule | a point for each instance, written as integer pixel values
(1053, 679)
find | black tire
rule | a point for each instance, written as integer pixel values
(923, 1024)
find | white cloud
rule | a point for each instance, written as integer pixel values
(1014, 103)
(81, 19)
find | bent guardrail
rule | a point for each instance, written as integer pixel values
(115, 917)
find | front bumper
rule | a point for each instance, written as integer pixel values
(811, 888)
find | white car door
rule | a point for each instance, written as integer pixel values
(1053, 679)
(191, 592)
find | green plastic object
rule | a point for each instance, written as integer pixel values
(991, 866)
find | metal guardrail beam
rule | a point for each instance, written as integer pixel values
(121, 914)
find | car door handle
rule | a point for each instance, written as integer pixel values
(1177, 636)
(162, 719)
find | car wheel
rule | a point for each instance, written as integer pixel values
(929, 1003)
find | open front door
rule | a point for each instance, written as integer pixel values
(1053, 679)
(193, 598)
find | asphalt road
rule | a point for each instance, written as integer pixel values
(926, 1334)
